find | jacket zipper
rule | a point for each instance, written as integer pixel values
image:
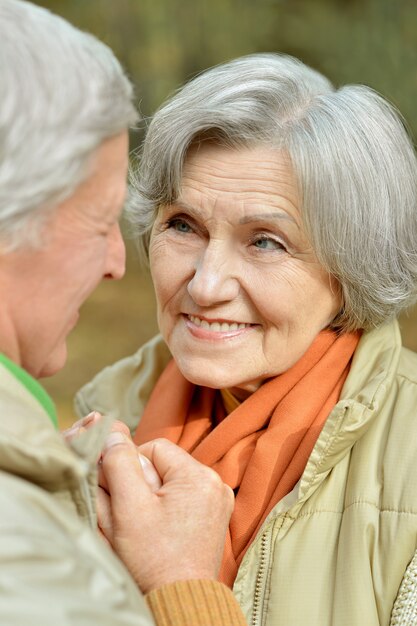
(260, 580)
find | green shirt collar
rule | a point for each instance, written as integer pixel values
(32, 386)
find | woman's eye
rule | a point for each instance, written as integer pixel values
(181, 226)
(267, 243)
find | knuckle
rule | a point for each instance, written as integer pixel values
(120, 426)
(162, 441)
(229, 497)
(212, 480)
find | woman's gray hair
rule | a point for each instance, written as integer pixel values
(353, 159)
(62, 92)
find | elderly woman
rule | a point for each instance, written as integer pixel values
(280, 219)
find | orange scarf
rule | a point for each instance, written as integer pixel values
(262, 447)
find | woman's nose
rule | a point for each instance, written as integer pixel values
(214, 280)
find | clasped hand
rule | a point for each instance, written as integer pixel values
(162, 512)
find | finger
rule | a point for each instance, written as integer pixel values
(101, 478)
(150, 474)
(169, 459)
(81, 425)
(88, 420)
(104, 515)
(230, 499)
(172, 462)
(118, 426)
(104, 538)
(123, 472)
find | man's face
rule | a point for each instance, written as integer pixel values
(43, 290)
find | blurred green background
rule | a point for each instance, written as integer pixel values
(162, 43)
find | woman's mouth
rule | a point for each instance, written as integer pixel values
(202, 327)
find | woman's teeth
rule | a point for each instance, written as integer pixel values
(216, 327)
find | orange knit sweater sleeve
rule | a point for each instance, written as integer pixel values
(195, 603)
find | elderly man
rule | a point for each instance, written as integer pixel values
(65, 106)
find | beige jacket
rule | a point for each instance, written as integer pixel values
(54, 570)
(333, 552)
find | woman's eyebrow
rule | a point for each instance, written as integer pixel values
(255, 217)
(267, 216)
(185, 206)
(188, 208)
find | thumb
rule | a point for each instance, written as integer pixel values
(126, 459)
(150, 474)
(122, 470)
(169, 460)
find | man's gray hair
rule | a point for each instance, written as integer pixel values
(353, 159)
(62, 92)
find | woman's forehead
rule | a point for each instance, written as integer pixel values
(239, 170)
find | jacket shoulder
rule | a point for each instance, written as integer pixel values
(123, 388)
(407, 365)
(395, 438)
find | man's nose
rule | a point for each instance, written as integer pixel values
(116, 258)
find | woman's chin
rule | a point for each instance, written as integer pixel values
(203, 378)
(206, 375)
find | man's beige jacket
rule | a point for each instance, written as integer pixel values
(334, 551)
(54, 570)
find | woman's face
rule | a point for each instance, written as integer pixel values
(239, 291)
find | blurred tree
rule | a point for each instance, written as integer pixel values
(164, 42)
(373, 42)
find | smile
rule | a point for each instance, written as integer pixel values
(217, 327)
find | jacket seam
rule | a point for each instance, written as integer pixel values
(384, 510)
(409, 380)
(356, 503)
(328, 442)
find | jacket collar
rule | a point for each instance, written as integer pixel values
(372, 373)
(33, 386)
(31, 448)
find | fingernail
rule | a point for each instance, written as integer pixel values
(144, 461)
(114, 439)
(70, 432)
(149, 473)
(89, 418)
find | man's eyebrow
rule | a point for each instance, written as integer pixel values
(267, 216)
